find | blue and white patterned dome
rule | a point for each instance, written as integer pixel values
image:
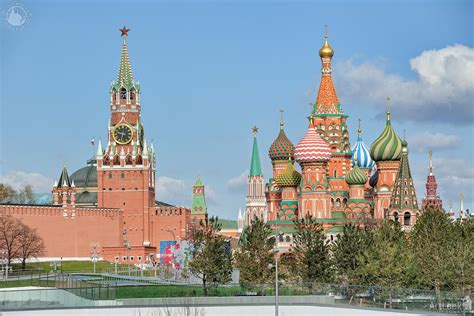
(362, 152)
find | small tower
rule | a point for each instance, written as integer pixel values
(62, 188)
(288, 181)
(386, 151)
(358, 208)
(199, 207)
(451, 212)
(280, 152)
(431, 199)
(255, 202)
(313, 154)
(403, 204)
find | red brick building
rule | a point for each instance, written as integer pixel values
(111, 201)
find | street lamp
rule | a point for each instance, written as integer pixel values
(95, 253)
(275, 251)
(126, 244)
(5, 266)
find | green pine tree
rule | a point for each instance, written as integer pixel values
(385, 261)
(254, 254)
(310, 252)
(211, 256)
(347, 251)
(462, 256)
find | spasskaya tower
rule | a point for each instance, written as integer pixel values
(126, 166)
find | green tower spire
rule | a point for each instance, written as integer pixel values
(125, 75)
(255, 167)
(198, 206)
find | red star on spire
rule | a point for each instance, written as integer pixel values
(124, 31)
(255, 130)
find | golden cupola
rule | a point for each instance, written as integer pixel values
(326, 51)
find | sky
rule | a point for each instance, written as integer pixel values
(210, 70)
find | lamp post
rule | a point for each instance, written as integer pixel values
(126, 244)
(95, 253)
(275, 251)
(5, 267)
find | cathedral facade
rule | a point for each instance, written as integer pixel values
(336, 184)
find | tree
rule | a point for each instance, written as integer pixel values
(347, 253)
(311, 252)
(385, 261)
(30, 244)
(7, 193)
(255, 254)
(431, 242)
(25, 195)
(462, 254)
(10, 232)
(211, 255)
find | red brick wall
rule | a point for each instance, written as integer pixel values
(70, 235)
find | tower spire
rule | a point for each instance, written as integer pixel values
(125, 75)
(430, 155)
(388, 110)
(255, 167)
(282, 124)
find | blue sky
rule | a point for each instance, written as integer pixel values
(211, 70)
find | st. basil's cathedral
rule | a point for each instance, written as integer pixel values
(337, 184)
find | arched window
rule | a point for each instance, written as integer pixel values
(335, 173)
(280, 238)
(407, 219)
(395, 216)
(123, 94)
(338, 203)
(287, 238)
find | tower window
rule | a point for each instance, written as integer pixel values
(406, 219)
(110, 175)
(123, 94)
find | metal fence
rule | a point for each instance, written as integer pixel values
(143, 288)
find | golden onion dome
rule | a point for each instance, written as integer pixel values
(326, 51)
(289, 177)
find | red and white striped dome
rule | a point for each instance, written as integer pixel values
(312, 147)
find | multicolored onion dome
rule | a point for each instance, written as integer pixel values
(312, 147)
(289, 177)
(388, 146)
(362, 154)
(282, 148)
(356, 177)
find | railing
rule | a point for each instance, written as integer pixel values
(92, 290)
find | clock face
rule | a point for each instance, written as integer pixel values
(122, 134)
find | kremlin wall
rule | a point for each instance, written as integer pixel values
(111, 201)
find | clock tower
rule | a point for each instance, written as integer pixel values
(126, 166)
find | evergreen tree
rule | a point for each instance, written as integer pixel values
(311, 252)
(432, 241)
(211, 256)
(255, 254)
(462, 254)
(385, 261)
(347, 251)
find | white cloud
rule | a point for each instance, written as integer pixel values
(443, 90)
(18, 179)
(238, 183)
(173, 191)
(437, 141)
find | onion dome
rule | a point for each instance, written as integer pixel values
(388, 146)
(356, 177)
(289, 177)
(326, 51)
(312, 147)
(282, 148)
(360, 153)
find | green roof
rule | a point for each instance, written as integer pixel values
(198, 205)
(255, 168)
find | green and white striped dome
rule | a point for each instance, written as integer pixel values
(356, 177)
(388, 146)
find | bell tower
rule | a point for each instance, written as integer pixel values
(126, 166)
